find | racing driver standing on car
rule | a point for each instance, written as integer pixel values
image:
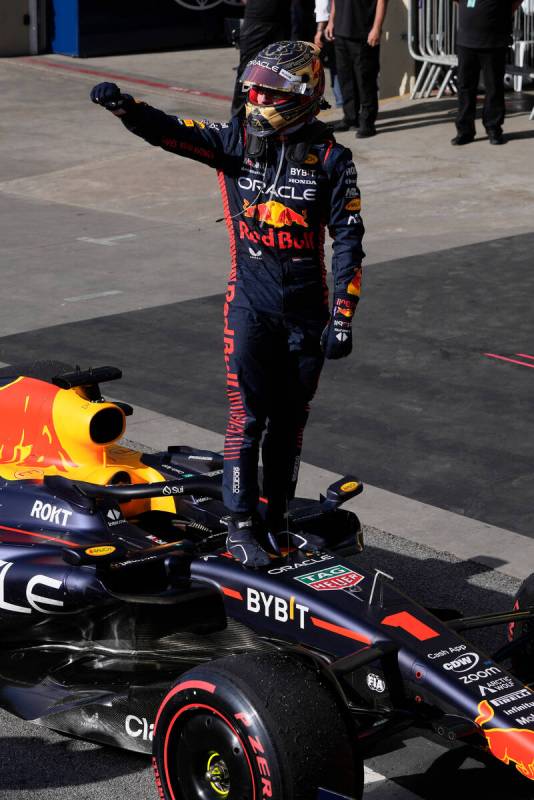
(283, 178)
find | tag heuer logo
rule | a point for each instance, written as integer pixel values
(331, 579)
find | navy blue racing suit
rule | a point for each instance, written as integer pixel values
(276, 305)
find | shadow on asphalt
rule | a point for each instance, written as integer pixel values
(30, 763)
(457, 774)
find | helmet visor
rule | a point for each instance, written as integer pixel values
(260, 96)
(256, 74)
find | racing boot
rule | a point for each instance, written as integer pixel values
(242, 542)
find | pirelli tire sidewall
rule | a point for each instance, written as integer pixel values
(233, 703)
(290, 723)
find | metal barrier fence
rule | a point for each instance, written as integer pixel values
(432, 26)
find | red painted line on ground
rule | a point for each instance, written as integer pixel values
(524, 355)
(340, 631)
(43, 62)
(39, 536)
(511, 360)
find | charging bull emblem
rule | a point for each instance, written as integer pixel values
(27, 432)
(274, 213)
(510, 745)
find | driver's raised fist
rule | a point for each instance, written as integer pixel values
(110, 96)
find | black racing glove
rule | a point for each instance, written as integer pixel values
(110, 96)
(336, 339)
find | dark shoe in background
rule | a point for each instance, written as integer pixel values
(463, 138)
(495, 137)
(342, 125)
(366, 133)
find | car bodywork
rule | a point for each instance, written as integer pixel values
(114, 580)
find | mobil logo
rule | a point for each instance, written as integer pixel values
(463, 663)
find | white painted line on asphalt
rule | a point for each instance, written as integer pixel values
(109, 241)
(370, 776)
(445, 531)
(91, 296)
(381, 788)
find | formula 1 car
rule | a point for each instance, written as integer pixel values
(124, 621)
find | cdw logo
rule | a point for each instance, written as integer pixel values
(463, 663)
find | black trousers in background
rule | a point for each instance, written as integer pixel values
(492, 63)
(358, 66)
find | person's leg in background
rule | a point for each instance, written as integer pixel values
(329, 54)
(493, 63)
(347, 84)
(367, 66)
(468, 77)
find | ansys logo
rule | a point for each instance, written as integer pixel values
(331, 579)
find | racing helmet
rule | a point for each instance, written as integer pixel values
(284, 86)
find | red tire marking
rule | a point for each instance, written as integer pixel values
(231, 593)
(218, 714)
(524, 355)
(126, 78)
(39, 536)
(329, 626)
(182, 687)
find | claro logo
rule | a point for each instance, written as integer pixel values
(463, 663)
(139, 728)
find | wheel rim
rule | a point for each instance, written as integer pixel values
(218, 775)
(210, 760)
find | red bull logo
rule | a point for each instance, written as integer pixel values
(274, 213)
(510, 745)
(27, 432)
(283, 240)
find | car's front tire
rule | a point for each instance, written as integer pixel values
(253, 727)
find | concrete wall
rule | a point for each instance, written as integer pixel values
(397, 68)
(14, 34)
